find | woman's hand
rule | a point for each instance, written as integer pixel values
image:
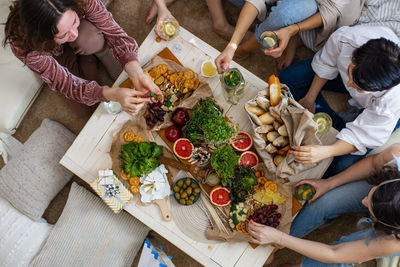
(284, 35)
(308, 104)
(310, 154)
(263, 235)
(131, 100)
(141, 81)
(224, 59)
(321, 187)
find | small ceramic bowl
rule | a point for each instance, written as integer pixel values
(202, 65)
(193, 182)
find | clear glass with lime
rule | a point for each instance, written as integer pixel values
(269, 40)
(323, 121)
(233, 85)
(167, 29)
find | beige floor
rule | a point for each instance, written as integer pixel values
(194, 16)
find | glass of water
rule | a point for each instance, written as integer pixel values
(113, 107)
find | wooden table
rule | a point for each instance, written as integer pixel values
(89, 152)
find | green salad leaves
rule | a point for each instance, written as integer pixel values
(139, 159)
(224, 160)
(207, 124)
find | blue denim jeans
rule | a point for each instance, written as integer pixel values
(284, 13)
(307, 262)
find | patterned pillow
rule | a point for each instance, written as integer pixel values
(33, 176)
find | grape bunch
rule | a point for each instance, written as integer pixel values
(155, 114)
(267, 215)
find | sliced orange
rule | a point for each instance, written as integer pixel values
(134, 181)
(135, 189)
(124, 176)
(273, 187)
(258, 174)
(262, 180)
(129, 136)
(239, 227)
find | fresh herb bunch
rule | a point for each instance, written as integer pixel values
(241, 184)
(224, 161)
(232, 78)
(208, 123)
(139, 159)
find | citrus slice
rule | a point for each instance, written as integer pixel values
(219, 196)
(323, 121)
(242, 142)
(129, 136)
(305, 192)
(134, 181)
(248, 158)
(270, 41)
(135, 189)
(124, 176)
(169, 29)
(183, 148)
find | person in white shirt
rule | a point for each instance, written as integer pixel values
(363, 61)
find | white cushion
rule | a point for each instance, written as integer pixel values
(20, 237)
(19, 86)
(88, 233)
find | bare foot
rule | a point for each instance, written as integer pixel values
(152, 12)
(287, 57)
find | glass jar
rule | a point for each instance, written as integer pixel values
(233, 85)
(113, 107)
(269, 40)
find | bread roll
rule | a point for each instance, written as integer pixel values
(256, 110)
(278, 159)
(263, 102)
(264, 129)
(266, 118)
(271, 149)
(276, 116)
(284, 150)
(271, 136)
(282, 130)
(280, 141)
(276, 125)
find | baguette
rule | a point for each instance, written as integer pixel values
(283, 131)
(264, 129)
(280, 141)
(271, 136)
(274, 90)
(271, 149)
(256, 110)
(283, 151)
(266, 118)
(278, 159)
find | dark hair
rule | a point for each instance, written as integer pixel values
(377, 65)
(386, 201)
(33, 23)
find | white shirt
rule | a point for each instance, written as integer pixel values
(372, 128)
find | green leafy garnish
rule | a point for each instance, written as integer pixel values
(139, 159)
(224, 160)
(232, 78)
(241, 184)
(208, 124)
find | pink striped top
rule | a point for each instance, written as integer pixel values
(60, 79)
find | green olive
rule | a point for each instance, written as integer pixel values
(181, 191)
(182, 201)
(189, 202)
(188, 181)
(178, 196)
(179, 183)
(194, 185)
(192, 198)
(184, 186)
(197, 191)
(176, 188)
(184, 195)
(189, 191)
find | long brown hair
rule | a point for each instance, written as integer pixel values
(33, 23)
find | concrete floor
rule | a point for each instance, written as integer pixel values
(194, 16)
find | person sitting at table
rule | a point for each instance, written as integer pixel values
(379, 195)
(283, 13)
(57, 40)
(363, 61)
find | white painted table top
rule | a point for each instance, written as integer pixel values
(89, 152)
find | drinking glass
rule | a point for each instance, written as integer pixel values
(113, 107)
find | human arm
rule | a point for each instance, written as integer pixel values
(347, 252)
(315, 153)
(284, 34)
(355, 172)
(308, 101)
(247, 16)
